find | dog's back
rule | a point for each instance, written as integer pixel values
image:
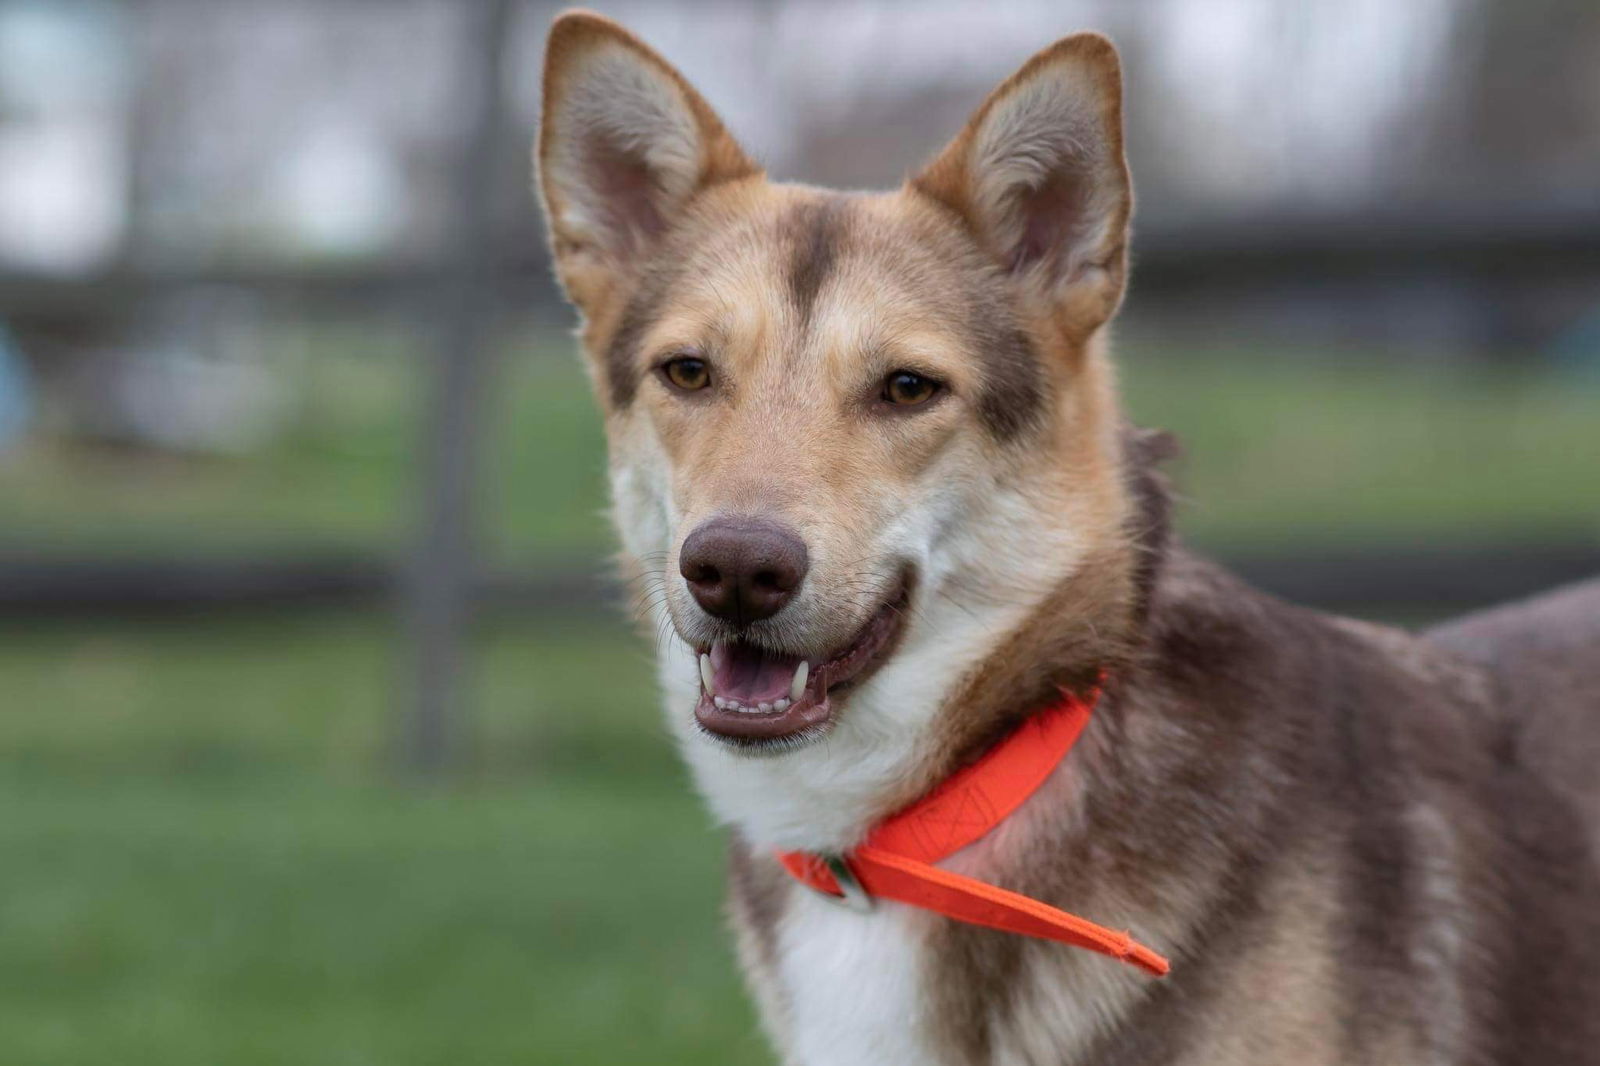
(1544, 657)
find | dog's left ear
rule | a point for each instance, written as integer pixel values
(1039, 176)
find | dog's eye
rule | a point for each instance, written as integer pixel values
(687, 373)
(906, 389)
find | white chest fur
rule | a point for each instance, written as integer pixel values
(854, 985)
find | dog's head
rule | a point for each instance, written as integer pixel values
(856, 439)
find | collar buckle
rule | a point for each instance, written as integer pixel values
(851, 895)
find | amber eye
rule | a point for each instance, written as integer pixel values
(905, 389)
(687, 373)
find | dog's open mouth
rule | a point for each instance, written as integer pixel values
(753, 697)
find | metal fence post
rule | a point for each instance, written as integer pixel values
(439, 579)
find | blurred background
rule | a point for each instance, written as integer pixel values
(324, 737)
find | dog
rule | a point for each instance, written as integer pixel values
(869, 472)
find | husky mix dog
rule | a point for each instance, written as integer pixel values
(869, 468)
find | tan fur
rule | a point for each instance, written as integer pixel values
(791, 440)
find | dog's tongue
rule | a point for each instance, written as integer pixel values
(750, 675)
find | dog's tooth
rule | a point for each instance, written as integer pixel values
(780, 705)
(706, 676)
(798, 686)
(766, 708)
(721, 703)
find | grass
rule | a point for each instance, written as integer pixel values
(340, 477)
(161, 922)
(207, 862)
(1355, 448)
(312, 695)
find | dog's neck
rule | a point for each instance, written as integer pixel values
(977, 671)
(1085, 630)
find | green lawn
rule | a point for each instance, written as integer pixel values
(342, 476)
(206, 860)
(1341, 448)
(167, 922)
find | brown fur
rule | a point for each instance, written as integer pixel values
(1357, 845)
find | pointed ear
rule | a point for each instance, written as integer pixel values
(1038, 175)
(624, 144)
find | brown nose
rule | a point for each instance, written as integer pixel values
(743, 569)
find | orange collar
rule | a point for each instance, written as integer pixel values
(896, 860)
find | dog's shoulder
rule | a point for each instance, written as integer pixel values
(1213, 632)
(1543, 655)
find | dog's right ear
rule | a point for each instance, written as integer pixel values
(624, 144)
